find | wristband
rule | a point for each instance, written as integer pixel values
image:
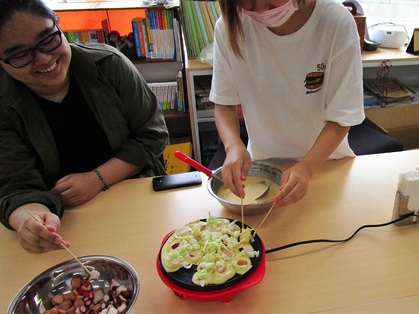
(99, 175)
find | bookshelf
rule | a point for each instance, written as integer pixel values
(400, 121)
(199, 19)
(118, 16)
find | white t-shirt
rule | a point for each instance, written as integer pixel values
(284, 113)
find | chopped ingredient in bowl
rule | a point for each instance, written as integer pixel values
(83, 298)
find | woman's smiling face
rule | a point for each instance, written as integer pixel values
(48, 72)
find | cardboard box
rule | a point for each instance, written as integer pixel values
(361, 21)
(401, 122)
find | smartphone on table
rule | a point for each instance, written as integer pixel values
(178, 180)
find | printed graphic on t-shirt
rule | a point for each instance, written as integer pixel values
(313, 82)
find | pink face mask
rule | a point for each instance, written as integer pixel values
(274, 17)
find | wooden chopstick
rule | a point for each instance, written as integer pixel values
(38, 219)
(266, 216)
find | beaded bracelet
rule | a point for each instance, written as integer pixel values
(99, 175)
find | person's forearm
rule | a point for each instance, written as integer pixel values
(327, 142)
(115, 170)
(228, 126)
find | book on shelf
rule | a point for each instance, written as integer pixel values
(205, 113)
(166, 94)
(154, 35)
(200, 23)
(172, 164)
(169, 94)
(199, 18)
(180, 92)
(204, 107)
(412, 84)
(178, 41)
(371, 100)
(209, 26)
(196, 42)
(87, 36)
(187, 28)
(139, 37)
(413, 46)
(388, 90)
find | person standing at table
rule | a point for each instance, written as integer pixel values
(74, 119)
(295, 68)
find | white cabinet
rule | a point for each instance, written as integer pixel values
(204, 133)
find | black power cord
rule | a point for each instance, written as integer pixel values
(343, 240)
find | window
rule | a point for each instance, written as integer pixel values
(400, 12)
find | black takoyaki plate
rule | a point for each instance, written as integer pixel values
(183, 276)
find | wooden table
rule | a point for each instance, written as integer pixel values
(377, 271)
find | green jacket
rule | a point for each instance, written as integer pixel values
(119, 98)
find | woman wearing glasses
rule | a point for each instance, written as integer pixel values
(74, 119)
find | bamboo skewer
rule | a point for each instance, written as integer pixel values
(241, 198)
(38, 219)
(266, 216)
(75, 257)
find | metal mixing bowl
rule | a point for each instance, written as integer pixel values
(35, 297)
(258, 168)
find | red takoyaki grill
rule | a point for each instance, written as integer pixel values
(183, 287)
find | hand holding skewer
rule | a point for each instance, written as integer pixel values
(38, 219)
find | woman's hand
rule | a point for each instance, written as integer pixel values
(294, 185)
(78, 188)
(235, 169)
(295, 180)
(34, 236)
(238, 161)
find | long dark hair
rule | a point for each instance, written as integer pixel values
(231, 10)
(35, 7)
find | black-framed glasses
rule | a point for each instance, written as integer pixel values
(24, 57)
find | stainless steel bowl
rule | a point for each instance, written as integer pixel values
(35, 297)
(258, 168)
